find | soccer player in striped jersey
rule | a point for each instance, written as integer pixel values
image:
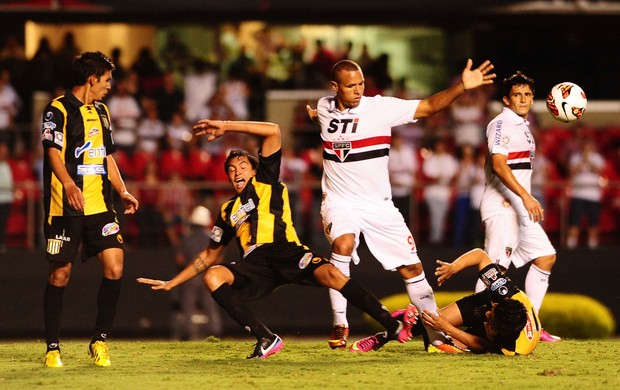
(511, 215)
(79, 177)
(258, 218)
(357, 198)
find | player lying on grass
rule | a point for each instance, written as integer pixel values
(499, 319)
(258, 216)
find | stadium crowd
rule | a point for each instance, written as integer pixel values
(158, 97)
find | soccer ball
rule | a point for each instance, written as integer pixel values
(566, 102)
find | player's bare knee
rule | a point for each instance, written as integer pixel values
(410, 271)
(545, 262)
(330, 276)
(216, 276)
(344, 245)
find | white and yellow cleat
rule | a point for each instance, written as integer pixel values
(52, 359)
(100, 353)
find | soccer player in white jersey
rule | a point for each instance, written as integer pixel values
(357, 197)
(511, 215)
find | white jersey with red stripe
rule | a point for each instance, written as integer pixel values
(356, 146)
(508, 134)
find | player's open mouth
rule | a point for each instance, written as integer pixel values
(239, 184)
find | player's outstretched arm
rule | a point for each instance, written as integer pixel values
(439, 322)
(470, 79)
(269, 132)
(201, 263)
(445, 271)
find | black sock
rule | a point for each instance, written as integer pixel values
(365, 301)
(107, 299)
(229, 300)
(52, 313)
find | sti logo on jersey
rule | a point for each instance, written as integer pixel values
(341, 149)
(342, 125)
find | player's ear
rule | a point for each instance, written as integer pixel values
(334, 86)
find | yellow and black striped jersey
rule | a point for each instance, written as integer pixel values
(530, 335)
(83, 134)
(260, 214)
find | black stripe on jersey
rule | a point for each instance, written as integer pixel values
(251, 193)
(358, 156)
(276, 206)
(521, 165)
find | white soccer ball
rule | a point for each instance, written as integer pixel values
(566, 102)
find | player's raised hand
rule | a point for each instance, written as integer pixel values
(312, 113)
(473, 78)
(213, 129)
(154, 283)
(444, 271)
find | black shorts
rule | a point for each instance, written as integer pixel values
(580, 208)
(96, 232)
(268, 268)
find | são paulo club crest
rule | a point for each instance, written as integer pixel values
(342, 149)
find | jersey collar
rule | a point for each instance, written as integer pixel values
(355, 110)
(514, 117)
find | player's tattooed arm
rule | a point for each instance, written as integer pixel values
(200, 264)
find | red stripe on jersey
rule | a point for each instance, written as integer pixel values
(361, 143)
(516, 155)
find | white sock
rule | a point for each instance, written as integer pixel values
(536, 284)
(422, 296)
(338, 302)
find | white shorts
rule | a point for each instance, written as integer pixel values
(514, 239)
(384, 229)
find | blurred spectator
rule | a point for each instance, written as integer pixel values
(169, 97)
(292, 171)
(13, 58)
(541, 176)
(199, 315)
(175, 54)
(365, 58)
(469, 114)
(402, 166)
(346, 52)
(476, 191)
(175, 201)
(119, 70)
(126, 116)
(41, 68)
(150, 219)
(242, 64)
(585, 194)
(64, 58)
(6, 194)
(148, 71)
(236, 92)
(200, 86)
(179, 131)
(323, 59)
(9, 107)
(378, 76)
(464, 180)
(439, 169)
(151, 130)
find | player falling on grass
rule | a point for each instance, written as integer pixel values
(511, 215)
(499, 319)
(357, 198)
(259, 218)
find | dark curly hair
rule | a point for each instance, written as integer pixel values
(240, 153)
(89, 63)
(509, 318)
(517, 79)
